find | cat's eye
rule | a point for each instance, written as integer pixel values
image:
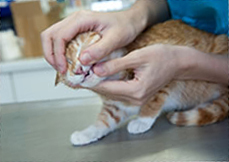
(69, 61)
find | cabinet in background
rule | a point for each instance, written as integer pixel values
(33, 80)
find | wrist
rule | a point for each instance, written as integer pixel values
(196, 65)
(185, 61)
(138, 15)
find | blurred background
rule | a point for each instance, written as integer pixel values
(24, 74)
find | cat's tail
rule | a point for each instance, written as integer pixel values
(203, 114)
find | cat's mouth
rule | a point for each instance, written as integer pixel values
(87, 73)
(83, 76)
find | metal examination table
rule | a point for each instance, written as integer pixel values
(39, 132)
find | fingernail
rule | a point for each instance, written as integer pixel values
(99, 69)
(85, 58)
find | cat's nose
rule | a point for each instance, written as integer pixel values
(78, 70)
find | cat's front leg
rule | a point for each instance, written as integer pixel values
(90, 134)
(140, 125)
(108, 120)
(148, 114)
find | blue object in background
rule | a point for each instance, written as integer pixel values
(6, 16)
(5, 8)
(60, 1)
(208, 15)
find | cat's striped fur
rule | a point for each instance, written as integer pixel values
(194, 102)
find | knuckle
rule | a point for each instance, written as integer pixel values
(57, 37)
(59, 43)
(44, 34)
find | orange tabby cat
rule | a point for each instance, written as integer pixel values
(197, 102)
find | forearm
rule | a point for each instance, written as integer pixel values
(197, 65)
(145, 13)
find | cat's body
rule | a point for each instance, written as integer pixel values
(198, 102)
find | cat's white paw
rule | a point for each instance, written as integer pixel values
(89, 135)
(140, 125)
(80, 138)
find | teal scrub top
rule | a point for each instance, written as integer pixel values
(208, 15)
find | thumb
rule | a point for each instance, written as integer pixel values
(100, 49)
(116, 65)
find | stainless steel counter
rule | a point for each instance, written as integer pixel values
(39, 132)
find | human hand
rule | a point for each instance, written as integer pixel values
(154, 67)
(117, 29)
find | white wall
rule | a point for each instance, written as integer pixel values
(33, 80)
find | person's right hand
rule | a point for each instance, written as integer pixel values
(117, 30)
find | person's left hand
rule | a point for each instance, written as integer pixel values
(154, 67)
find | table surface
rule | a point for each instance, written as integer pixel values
(40, 131)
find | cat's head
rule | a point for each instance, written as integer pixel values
(78, 75)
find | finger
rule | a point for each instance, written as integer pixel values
(59, 55)
(63, 36)
(122, 88)
(111, 96)
(48, 48)
(116, 65)
(99, 50)
(47, 41)
(131, 90)
(122, 98)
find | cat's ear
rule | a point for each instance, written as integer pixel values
(57, 81)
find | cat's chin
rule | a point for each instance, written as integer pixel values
(91, 81)
(74, 80)
(88, 81)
